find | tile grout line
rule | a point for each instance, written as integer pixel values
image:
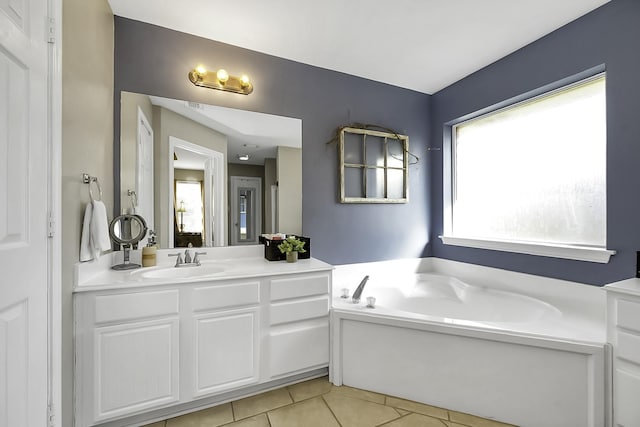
(330, 410)
(395, 419)
(233, 412)
(386, 400)
(290, 395)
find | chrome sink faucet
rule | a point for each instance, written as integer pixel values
(179, 261)
(196, 257)
(358, 293)
(188, 260)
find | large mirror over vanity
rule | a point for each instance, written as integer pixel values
(205, 175)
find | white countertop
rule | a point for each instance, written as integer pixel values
(234, 263)
(627, 286)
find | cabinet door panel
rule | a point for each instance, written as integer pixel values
(226, 351)
(136, 367)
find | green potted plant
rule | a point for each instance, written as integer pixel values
(291, 246)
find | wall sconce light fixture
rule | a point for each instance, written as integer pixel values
(220, 80)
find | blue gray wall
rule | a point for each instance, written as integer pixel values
(609, 35)
(155, 61)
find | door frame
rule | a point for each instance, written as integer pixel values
(143, 121)
(54, 196)
(234, 182)
(218, 173)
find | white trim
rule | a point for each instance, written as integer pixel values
(274, 209)
(237, 182)
(54, 245)
(219, 172)
(143, 121)
(564, 251)
(579, 253)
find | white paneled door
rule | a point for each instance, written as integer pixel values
(24, 206)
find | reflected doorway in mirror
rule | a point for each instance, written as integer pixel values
(213, 166)
(246, 210)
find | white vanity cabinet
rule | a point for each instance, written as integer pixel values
(298, 323)
(127, 353)
(149, 350)
(223, 351)
(623, 333)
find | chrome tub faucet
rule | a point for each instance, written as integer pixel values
(358, 293)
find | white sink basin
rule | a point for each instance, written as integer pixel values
(180, 272)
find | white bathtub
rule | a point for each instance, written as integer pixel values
(531, 353)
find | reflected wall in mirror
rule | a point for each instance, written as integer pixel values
(177, 160)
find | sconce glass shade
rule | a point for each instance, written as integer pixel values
(220, 80)
(222, 76)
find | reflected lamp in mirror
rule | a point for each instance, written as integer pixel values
(220, 80)
(181, 210)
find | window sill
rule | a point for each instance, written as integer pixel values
(579, 253)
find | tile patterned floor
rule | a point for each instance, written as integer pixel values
(317, 403)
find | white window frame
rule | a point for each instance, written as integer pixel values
(582, 253)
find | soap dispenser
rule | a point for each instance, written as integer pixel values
(149, 252)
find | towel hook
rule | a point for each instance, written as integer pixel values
(88, 179)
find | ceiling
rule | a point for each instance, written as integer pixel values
(255, 134)
(424, 45)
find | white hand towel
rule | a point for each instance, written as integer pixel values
(100, 227)
(86, 252)
(95, 231)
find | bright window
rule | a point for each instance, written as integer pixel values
(189, 195)
(532, 173)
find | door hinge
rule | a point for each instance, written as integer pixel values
(51, 416)
(51, 30)
(51, 225)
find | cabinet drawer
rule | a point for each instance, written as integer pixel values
(296, 287)
(626, 389)
(220, 296)
(628, 315)
(292, 311)
(629, 347)
(139, 305)
(297, 350)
